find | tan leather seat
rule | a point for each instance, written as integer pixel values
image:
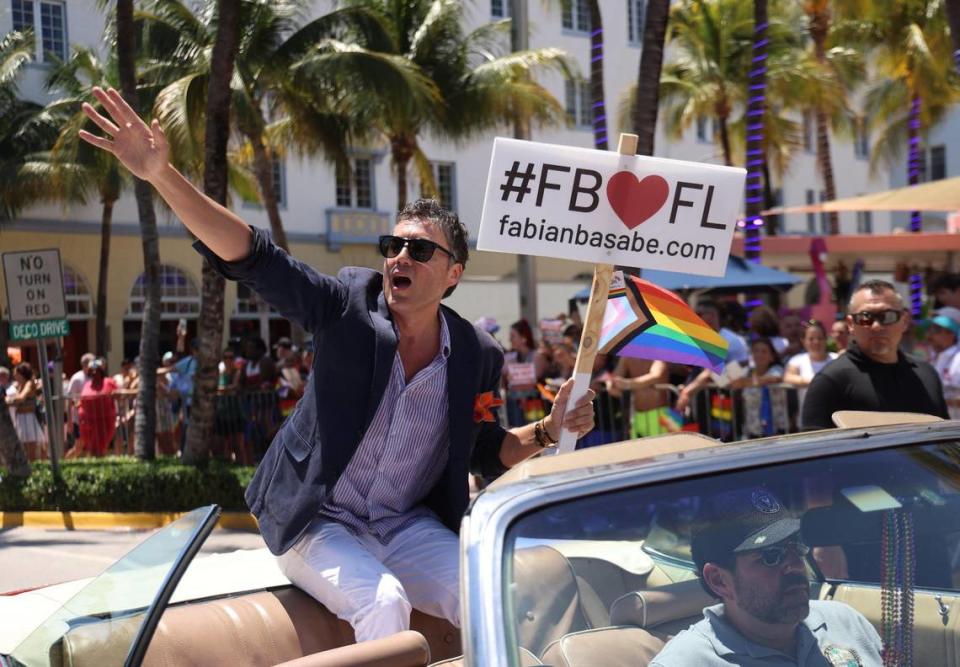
(610, 647)
(547, 602)
(662, 611)
(256, 629)
(527, 659)
(404, 649)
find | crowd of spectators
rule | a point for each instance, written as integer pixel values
(255, 391)
(772, 359)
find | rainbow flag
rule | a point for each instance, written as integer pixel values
(648, 322)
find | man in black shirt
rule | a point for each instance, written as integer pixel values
(874, 374)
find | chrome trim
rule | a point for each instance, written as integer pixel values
(494, 510)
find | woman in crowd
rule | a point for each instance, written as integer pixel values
(764, 412)
(98, 413)
(22, 396)
(524, 366)
(764, 324)
(167, 409)
(228, 421)
(803, 367)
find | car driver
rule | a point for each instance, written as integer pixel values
(747, 550)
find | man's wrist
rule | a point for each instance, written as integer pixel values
(549, 430)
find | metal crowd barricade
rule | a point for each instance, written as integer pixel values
(750, 412)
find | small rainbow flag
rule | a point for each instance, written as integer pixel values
(648, 322)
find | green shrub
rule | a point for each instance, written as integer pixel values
(117, 484)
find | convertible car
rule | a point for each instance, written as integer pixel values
(574, 560)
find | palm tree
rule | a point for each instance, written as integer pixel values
(598, 103)
(72, 170)
(953, 18)
(293, 73)
(916, 85)
(756, 161)
(706, 77)
(17, 139)
(146, 417)
(476, 89)
(24, 128)
(645, 102)
(215, 181)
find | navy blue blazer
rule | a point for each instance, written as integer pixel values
(355, 345)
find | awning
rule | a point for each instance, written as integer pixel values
(740, 276)
(942, 195)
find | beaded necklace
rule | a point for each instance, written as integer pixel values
(897, 573)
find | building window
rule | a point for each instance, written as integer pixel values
(824, 217)
(576, 15)
(499, 9)
(811, 217)
(636, 15)
(49, 24)
(355, 190)
(702, 135)
(248, 303)
(578, 102)
(921, 165)
(809, 129)
(938, 163)
(444, 176)
(864, 222)
(76, 294)
(179, 296)
(22, 11)
(861, 139)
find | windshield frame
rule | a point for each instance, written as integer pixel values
(147, 574)
(489, 637)
(152, 618)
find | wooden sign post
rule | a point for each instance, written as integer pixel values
(590, 338)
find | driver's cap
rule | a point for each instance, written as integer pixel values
(738, 521)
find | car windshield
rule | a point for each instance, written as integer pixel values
(620, 562)
(110, 609)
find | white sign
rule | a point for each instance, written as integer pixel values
(34, 282)
(606, 208)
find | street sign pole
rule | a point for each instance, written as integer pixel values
(38, 311)
(54, 426)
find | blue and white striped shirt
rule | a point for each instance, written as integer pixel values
(402, 454)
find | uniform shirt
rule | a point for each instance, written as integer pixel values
(402, 454)
(854, 381)
(947, 364)
(832, 634)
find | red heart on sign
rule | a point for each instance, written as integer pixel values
(635, 201)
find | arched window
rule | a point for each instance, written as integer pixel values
(179, 296)
(248, 304)
(76, 294)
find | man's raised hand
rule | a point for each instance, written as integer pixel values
(141, 148)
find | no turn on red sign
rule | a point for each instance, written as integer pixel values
(35, 301)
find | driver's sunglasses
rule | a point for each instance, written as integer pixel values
(866, 318)
(421, 250)
(775, 555)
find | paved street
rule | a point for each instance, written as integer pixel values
(33, 557)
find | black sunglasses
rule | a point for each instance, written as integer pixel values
(421, 250)
(775, 555)
(866, 318)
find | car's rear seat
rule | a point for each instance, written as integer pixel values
(256, 629)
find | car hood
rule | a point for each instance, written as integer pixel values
(208, 576)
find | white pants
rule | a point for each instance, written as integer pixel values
(373, 586)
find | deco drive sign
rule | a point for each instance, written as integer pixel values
(35, 302)
(606, 208)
